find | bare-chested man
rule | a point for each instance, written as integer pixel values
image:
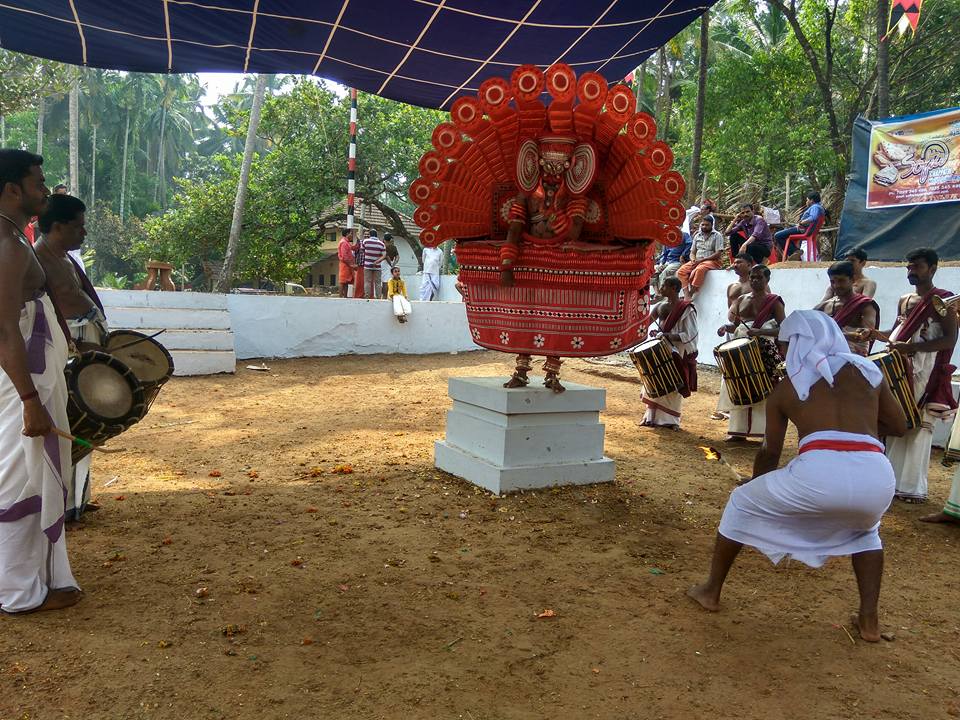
(756, 314)
(62, 225)
(856, 314)
(827, 501)
(74, 296)
(34, 568)
(862, 285)
(735, 290)
(928, 339)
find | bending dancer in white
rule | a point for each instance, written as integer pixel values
(829, 499)
(34, 462)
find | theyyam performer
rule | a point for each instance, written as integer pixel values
(676, 319)
(927, 338)
(34, 462)
(828, 500)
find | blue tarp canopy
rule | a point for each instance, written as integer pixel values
(423, 52)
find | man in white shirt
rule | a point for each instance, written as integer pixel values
(430, 286)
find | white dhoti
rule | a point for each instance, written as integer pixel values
(910, 455)
(430, 286)
(952, 507)
(663, 411)
(91, 330)
(823, 503)
(33, 554)
(748, 421)
(401, 306)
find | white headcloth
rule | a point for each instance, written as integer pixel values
(818, 350)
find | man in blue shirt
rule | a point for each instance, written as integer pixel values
(670, 261)
(812, 217)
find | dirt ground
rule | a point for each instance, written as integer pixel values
(232, 572)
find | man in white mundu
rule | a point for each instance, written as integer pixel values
(34, 462)
(926, 338)
(827, 501)
(677, 320)
(764, 311)
(741, 266)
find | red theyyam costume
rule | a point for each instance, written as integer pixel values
(555, 211)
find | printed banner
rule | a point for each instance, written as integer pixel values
(915, 161)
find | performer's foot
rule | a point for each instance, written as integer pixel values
(55, 600)
(940, 517)
(717, 416)
(552, 381)
(911, 500)
(867, 626)
(517, 381)
(705, 597)
(735, 439)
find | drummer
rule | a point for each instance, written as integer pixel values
(757, 314)
(856, 314)
(74, 296)
(927, 338)
(677, 322)
(735, 290)
(76, 301)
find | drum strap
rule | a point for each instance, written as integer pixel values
(840, 445)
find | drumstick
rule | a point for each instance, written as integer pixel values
(138, 340)
(85, 443)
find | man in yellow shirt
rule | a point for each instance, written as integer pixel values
(397, 292)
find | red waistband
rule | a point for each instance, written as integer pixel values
(841, 445)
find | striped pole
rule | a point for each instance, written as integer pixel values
(352, 158)
(351, 187)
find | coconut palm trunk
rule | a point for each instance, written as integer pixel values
(75, 136)
(225, 280)
(123, 167)
(701, 101)
(40, 114)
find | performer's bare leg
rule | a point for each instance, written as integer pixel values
(708, 593)
(868, 567)
(551, 370)
(519, 378)
(940, 517)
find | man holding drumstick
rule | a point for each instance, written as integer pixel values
(34, 568)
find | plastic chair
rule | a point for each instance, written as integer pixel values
(809, 237)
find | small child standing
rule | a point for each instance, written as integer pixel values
(397, 292)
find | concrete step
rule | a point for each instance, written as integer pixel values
(178, 339)
(155, 299)
(135, 318)
(203, 362)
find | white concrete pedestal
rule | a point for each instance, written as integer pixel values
(505, 440)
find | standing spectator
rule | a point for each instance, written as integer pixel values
(704, 257)
(388, 263)
(348, 262)
(749, 233)
(430, 286)
(812, 216)
(374, 251)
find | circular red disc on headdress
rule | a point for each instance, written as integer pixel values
(431, 165)
(494, 93)
(620, 102)
(447, 138)
(673, 185)
(659, 157)
(466, 113)
(527, 82)
(561, 82)
(429, 238)
(592, 89)
(420, 191)
(425, 217)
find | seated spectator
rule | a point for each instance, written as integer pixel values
(708, 246)
(749, 233)
(670, 261)
(812, 215)
(397, 293)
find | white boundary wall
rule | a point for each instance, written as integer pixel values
(804, 288)
(290, 327)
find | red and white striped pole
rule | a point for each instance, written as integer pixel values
(351, 187)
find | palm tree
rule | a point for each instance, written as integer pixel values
(75, 135)
(701, 100)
